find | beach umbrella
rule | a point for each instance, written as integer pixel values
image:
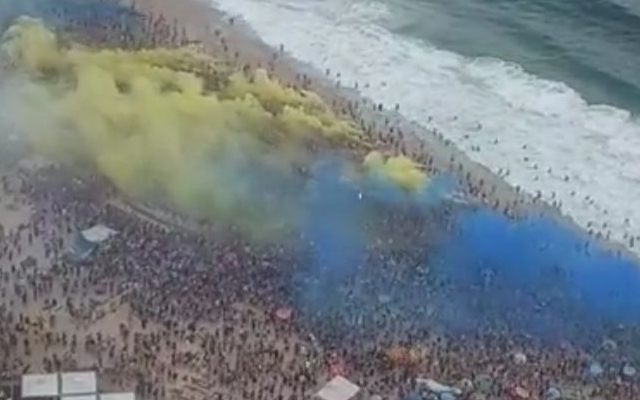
(628, 371)
(553, 394)
(595, 369)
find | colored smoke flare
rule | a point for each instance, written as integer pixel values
(146, 120)
(149, 122)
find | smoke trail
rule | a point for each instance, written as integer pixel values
(533, 276)
(399, 169)
(332, 229)
(149, 121)
(152, 128)
(358, 237)
(474, 270)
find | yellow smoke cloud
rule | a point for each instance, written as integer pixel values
(177, 125)
(150, 121)
(31, 45)
(401, 170)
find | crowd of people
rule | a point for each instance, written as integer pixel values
(205, 302)
(176, 310)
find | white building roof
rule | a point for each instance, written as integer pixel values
(339, 388)
(40, 385)
(79, 383)
(118, 396)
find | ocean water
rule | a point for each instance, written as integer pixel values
(548, 90)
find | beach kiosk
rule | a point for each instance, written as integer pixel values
(40, 386)
(80, 385)
(338, 388)
(81, 397)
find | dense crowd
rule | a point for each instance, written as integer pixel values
(206, 297)
(220, 294)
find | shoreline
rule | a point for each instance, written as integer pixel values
(215, 30)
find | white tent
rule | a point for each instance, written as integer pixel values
(40, 385)
(437, 387)
(88, 240)
(339, 388)
(118, 396)
(98, 233)
(79, 383)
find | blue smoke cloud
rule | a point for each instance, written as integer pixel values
(478, 270)
(338, 280)
(539, 270)
(333, 236)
